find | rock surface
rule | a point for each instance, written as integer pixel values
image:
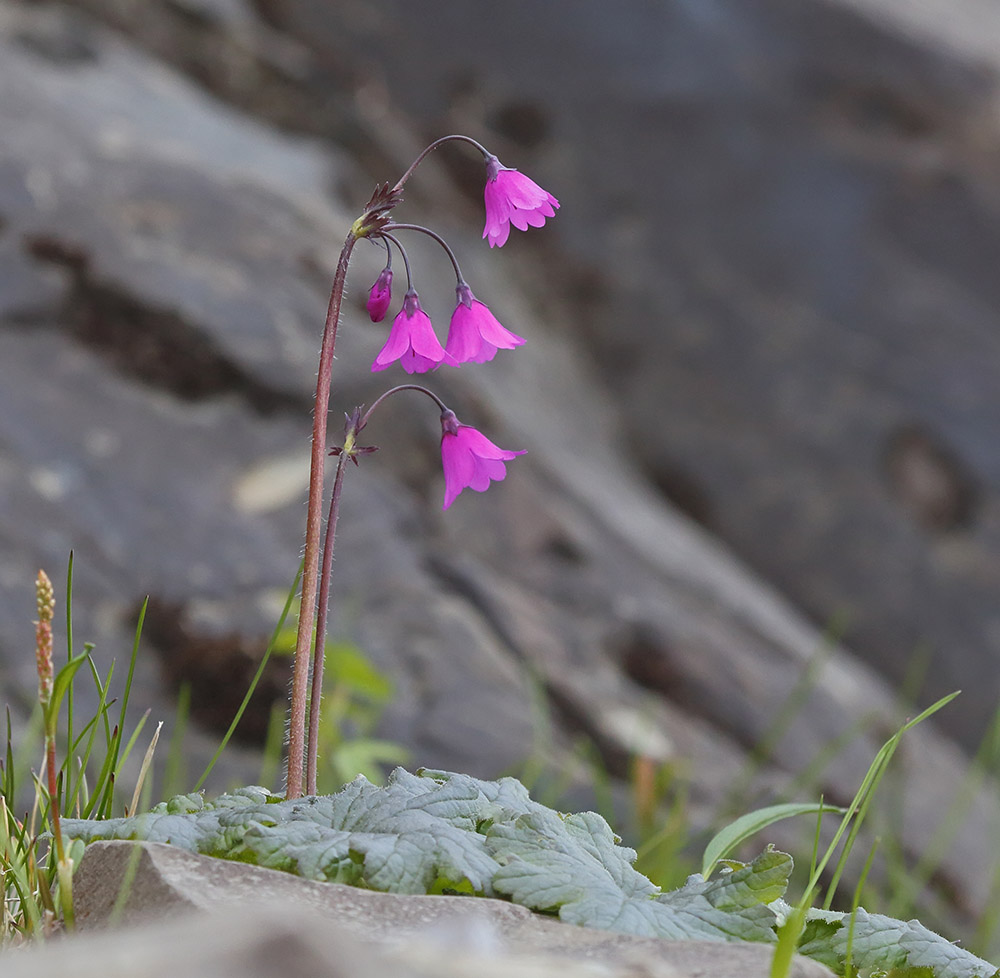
(220, 918)
(165, 257)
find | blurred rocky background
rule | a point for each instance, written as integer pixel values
(759, 515)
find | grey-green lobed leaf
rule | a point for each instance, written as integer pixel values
(573, 865)
(884, 943)
(436, 831)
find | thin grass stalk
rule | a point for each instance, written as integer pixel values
(90, 732)
(69, 644)
(114, 761)
(934, 852)
(791, 930)
(132, 741)
(855, 903)
(173, 776)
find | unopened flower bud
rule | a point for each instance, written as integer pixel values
(380, 296)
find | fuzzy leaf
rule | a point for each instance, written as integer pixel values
(436, 831)
(439, 832)
(574, 865)
(883, 943)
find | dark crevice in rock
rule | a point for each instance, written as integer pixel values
(646, 661)
(218, 670)
(571, 714)
(457, 580)
(652, 661)
(65, 40)
(680, 488)
(525, 123)
(929, 480)
(155, 346)
(577, 719)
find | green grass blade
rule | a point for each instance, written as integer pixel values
(61, 684)
(855, 903)
(90, 732)
(289, 601)
(173, 774)
(936, 849)
(101, 796)
(102, 692)
(863, 799)
(131, 741)
(746, 826)
(791, 930)
(69, 643)
(9, 774)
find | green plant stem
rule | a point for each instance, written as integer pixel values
(323, 609)
(307, 608)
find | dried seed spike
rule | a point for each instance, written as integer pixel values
(45, 600)
(45, 597)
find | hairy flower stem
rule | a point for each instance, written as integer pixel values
(314, 515)
(395, 390)
(323, 609)
(433, 146)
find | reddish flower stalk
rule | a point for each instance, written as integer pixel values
(323, 609)
(310, 570)
(350, 450)
(373, 218)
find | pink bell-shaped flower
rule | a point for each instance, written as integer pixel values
(513, 198)
(380, 295)
(470, 460)
(412, 340)
(475, 334)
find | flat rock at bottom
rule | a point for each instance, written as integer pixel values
(200, 916)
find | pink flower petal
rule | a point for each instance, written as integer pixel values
(469, 459)
(411, 340)
(511, 198)
(475, 334)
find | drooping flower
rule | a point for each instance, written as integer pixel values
(513, 198)
(470, 460)
(411, 340)
(380, 295)
(475, 334)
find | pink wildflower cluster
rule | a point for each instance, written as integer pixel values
(475, 334)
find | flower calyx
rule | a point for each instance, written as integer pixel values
(352, 428)
(376, 213)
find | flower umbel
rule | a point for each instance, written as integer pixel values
(475, 334)
(470, 460)
(411, 340)
(513, 198)
(380, 295)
